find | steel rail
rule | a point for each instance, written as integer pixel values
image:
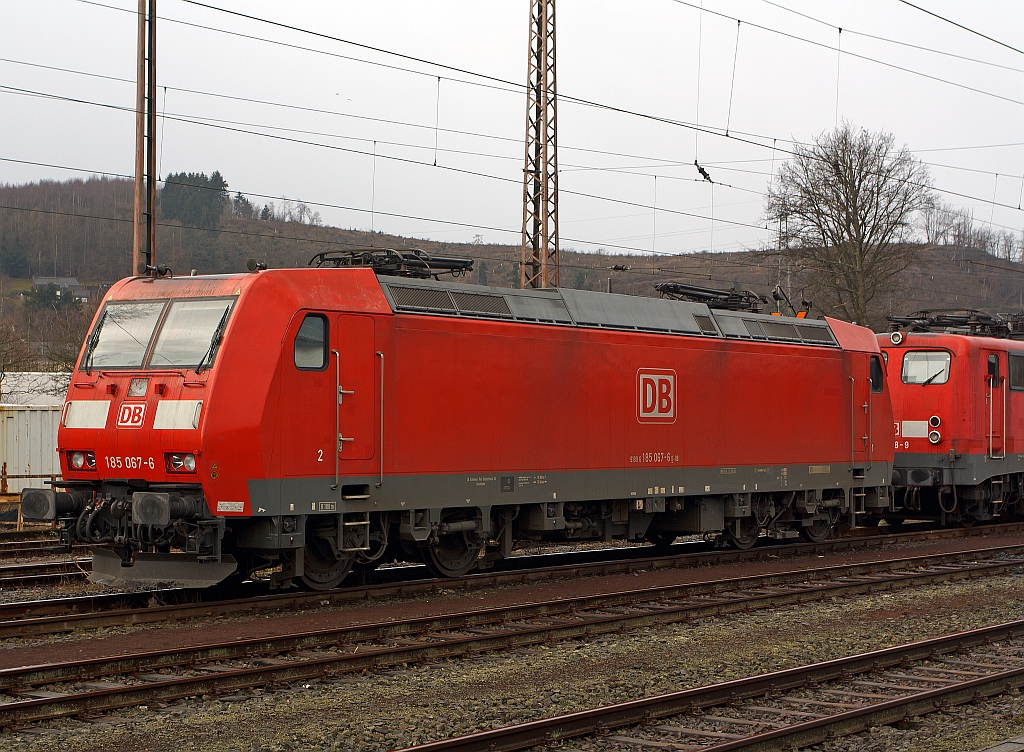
(21, 619)
(647, 710)
(472, 632)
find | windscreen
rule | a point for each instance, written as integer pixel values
(190, 333)
(122, 335)
(926, 367)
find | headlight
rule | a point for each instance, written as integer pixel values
(82, 460)
(180, 462)
(934, 437)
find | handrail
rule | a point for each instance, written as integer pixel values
(871, 419)
(853, 423)
(337, 420)
(381, 356)
(1003, 452)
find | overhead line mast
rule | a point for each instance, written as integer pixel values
(539, 263)
(144, 238)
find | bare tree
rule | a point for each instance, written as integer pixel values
(15, 350)
(845, 207)
(946, 225)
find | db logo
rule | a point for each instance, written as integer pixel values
(131, 415)
(656, 398)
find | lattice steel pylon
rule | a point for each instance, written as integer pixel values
(539, 265)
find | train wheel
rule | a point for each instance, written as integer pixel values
(453, 555)
(749, 532)
(817, 532)
(324, 567)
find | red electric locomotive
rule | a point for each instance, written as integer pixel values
(308, 418)
(957, 385)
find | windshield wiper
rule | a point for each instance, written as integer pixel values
(934, 376)
(214, 340)
(91, 346)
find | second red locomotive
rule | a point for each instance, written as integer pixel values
(957, 385)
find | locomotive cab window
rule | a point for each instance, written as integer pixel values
(122, 336)
(876, 375)
(1016, 372)
(926, 367)
(311, 344)
(191, 333)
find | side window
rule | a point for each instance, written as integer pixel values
(926, 367)
(311, 344)
(1017, 372)
(877, 377)
(993, 369)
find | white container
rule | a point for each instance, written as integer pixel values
(28, 444)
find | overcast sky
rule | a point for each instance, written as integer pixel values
(774, 78)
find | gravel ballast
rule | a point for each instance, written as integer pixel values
(422, 703)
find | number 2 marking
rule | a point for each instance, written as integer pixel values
(320, 455)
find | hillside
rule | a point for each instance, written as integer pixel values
(82, 228)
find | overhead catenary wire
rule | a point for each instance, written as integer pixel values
(563, 97)
(961, 26)
(497, 82)
(365, 153)
(565, 167)
(888, 40)
(563, 147)
(732, 84)
(866, 58)
(417, 162)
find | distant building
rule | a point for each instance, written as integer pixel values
(70, 286)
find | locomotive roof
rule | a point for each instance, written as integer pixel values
(567, 307)
(551, 306)
(955, 341)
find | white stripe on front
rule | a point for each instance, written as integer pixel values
(87, 414)
(177, 414)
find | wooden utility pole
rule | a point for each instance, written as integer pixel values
(144, 237)
(539, 262)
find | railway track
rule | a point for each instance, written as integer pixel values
(33, 548)
(40, 692)
(50, 616)
(788, 709)
(14, 576)
(31, 534)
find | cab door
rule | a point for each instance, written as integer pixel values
(327, 416)
(305, 437)
(995, 402)
(354, 370)
(861, 413)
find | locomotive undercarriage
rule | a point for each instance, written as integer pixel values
(1001, 496)
(166, 534)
